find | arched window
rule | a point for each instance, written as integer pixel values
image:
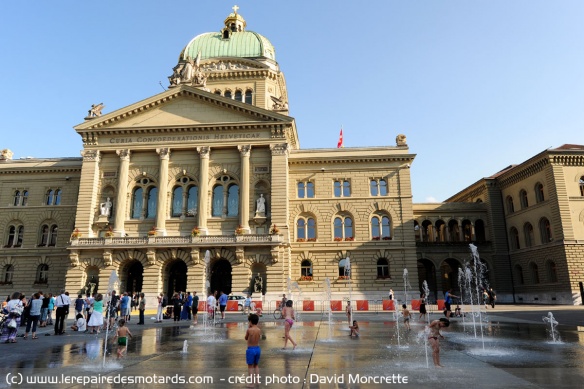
(249, 96)
(44, 235)
(53, 236)
(305, 229)
(514, 239)
(533, 270)
(8, 273)
(218, 92)
(528, 232)
(382, 268)
(17, 198)
(342, 188)
(305, 189)
(545, 231)
(58, 197)
(24, 197)
(225, 197)
(523, 199)
(228, 94)
(144, 199)
(480, 234)
(479, 201)
(380, 227)
(137, 203)
(238, 95)
(343, 228)
(510, 206)
(454, 231)
(552, 273)
(378, 187)
(185, 197)
(306, 269)
(177, 201)
(50, 197)
(519, 275)
(581, 182)
(467, 230)
(539, 196)
(344, 270)
(440, 231)
(42, 276)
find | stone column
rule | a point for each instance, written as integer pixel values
(152, 284)
(161, 210)
(88, 189)
(120, 205)
(245, 151)
(203, 188)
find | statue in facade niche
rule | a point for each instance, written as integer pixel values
(105, 208)
(257, 284)
(261, 205)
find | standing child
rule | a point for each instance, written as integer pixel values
(122, 335)
(253, 352)
(354, 329)
(434, 336)
(406, 314)
(349, 311)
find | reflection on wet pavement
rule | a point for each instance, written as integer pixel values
(508, 355)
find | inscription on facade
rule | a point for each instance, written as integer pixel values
(183, 138)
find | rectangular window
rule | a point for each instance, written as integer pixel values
(305, 190)
(342, 188)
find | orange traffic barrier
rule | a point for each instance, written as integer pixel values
(336, 305)
(258, 304)
(308, 305)
(441, 305)
(415, 305)
(388, 305)
(232, 306)
(202, 306)
(362, 305)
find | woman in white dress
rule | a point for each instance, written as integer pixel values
(96, 319)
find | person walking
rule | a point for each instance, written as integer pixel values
(96, 319)
(195, 307)
(289, 317)
(492, 297)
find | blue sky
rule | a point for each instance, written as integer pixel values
(475, 85)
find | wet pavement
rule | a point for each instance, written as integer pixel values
(511, 350)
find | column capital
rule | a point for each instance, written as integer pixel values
(163, 152)
(124, 154)
(245, 150)
(280, 149)
(90, 155)
(204, 151)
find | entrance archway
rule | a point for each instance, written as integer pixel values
(427, 272)
(221, 276)
(449, 273)
(176, 278)
(91, 280)
(134, 278)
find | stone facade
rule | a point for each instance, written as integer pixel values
(206, 183)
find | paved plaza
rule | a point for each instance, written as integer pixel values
(514, 351)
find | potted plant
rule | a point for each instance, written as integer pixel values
(109, 232)
(152, 232)
(387, 238)
(343, 277)
(239, 230)
(300, 240)
(350, 239)
(306, 278)
(274, 230)
(195, 231)
(338, 239)
(376, 238)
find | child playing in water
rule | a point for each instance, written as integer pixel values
(406, 314)
(349, 311)
(122, 335)
(354, 329)
(253, 352)
(434, 336)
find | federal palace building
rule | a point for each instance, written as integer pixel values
(206, 182)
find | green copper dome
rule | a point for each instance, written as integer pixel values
(241, 44)
(231, 41)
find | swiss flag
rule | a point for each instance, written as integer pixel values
(340, 144)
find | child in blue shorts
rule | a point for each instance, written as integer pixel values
(253, 352)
